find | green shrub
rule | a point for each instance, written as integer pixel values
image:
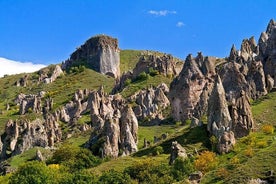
(182, 168)
(153, 72)
(32, 172)
(158, 150)
(142, 76)
(127, 82)
(114, 177)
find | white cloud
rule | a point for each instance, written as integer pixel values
(15, 67)
(161, 12)
(180, 24)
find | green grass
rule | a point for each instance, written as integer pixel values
(27, 156)
(129, 59)
(143, 84)
(263, 158)
(121, 163)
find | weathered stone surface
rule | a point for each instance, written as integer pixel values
(39, 156)
(165, 64)
(256, 79)
(189, 84)
(22, 81)
(150, 103)
(226, 142)
(129, 131)
(186, 89)
(233, 54)
(22, 135)
(242, 119)
(269, 83)
(177, 151)
(233, 80)
(30, 103)
(114, 123)
(267, 45)
(195, 177)
(101, 53)
(219, 120)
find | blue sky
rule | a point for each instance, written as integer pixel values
(49, 31)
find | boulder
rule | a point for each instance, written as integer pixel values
(177, 151)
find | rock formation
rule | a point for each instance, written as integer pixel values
(22, 135)
(177, 151)
(186, 89)
(101, 53)
(22, 81)
(165, 64)
(219, 120)
(114, 123)
(49, 75)
(267, 47)
(242, 119)
(150, 103)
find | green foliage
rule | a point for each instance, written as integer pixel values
(142, 76)
(32, 172)
(182, 168)
(127, 82)
(114, 177)
(158, 150)
(147, 172)
(74, 158)
(153, 72)
(214, 142)
(77, 69)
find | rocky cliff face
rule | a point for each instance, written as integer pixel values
(101, 53)
(186, 89)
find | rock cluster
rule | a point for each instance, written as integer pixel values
(115, 125)
(22, 135)
(150, 103)
(49, 75)
(100, 53)
(164, 64)
(153, 64)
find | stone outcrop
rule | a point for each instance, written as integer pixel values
(100, 53)
(150, 103)
(177, 151)
(219, 120)
(128, 131)
(114, 123)
(50, 75)
(23, 81)
(29, 103)
(267, 47)
(242, 118)
(187, 88)
(165, 64)
(22, 135)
